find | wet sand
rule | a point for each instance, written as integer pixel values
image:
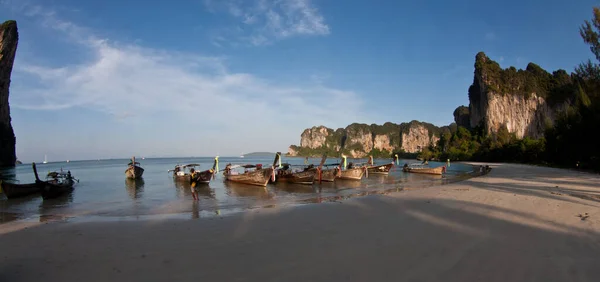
(517, 223)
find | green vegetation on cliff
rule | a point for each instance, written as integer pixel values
(555, 87)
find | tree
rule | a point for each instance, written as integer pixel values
(589, 32)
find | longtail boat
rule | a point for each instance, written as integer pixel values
(424, 170)
(134, 171)
(355, 173)
(259, 176)
(380, 169)
(56, 184)
(183, 172)
(285, 173)
(329, 175)
(14, 190)
(204, 177)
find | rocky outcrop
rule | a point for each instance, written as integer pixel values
(314, 137)
(525, 101)
(361, 140)
(8, 47)
(462, 117)
(415, 139)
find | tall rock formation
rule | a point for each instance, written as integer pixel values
(360, 140)
(8, 47)
(525, 101)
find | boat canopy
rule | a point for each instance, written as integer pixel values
(56, 174)
(191, 165)
(130, 163)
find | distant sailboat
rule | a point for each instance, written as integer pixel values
(242, 155)
(45, 159)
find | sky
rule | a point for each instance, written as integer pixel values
(113, 79)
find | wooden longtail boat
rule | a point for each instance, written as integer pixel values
(259, 176)
(300, 177)
(286, 175)
(378, 169)
(56, 184)
(329, 175)
(13, 190)
(352, 173)
(183, 172)
(425, 170)
(134, 171)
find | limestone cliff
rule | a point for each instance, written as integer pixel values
(525, 101)
(8, 47)
(360, 140)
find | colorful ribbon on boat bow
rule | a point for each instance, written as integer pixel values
(397, 159)
(344, 164)
(279, 158)
(273, 174)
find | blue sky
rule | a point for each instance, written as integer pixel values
(107, 79)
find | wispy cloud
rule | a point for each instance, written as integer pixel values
(490, 36)
(266, 21)
(137, 83)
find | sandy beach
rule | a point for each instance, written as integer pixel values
(517, 223)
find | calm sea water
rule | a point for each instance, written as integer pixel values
(104, 193)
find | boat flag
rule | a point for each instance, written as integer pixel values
(344, 162)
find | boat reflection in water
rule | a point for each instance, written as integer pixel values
(347, 184)
(184, 190)
(249, 191)
(135, 187)
(296, 188)
(55, 209)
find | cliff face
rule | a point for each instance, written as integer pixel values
(8, 47)
(517, 99)
(360, 140)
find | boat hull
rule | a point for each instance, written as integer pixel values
(12, 190)
(352, 174)
(204, 177)
(303, 177)
(51, 190)
(182, 178)
(329, 175)
(380, 169)
(134, 172)
(434, 171)
(258, 177)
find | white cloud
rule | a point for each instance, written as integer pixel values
(266, 21)
(136, 84)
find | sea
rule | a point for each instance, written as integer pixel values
(103, 193)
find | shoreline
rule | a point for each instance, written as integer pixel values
(517, 223)
(187, 209)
